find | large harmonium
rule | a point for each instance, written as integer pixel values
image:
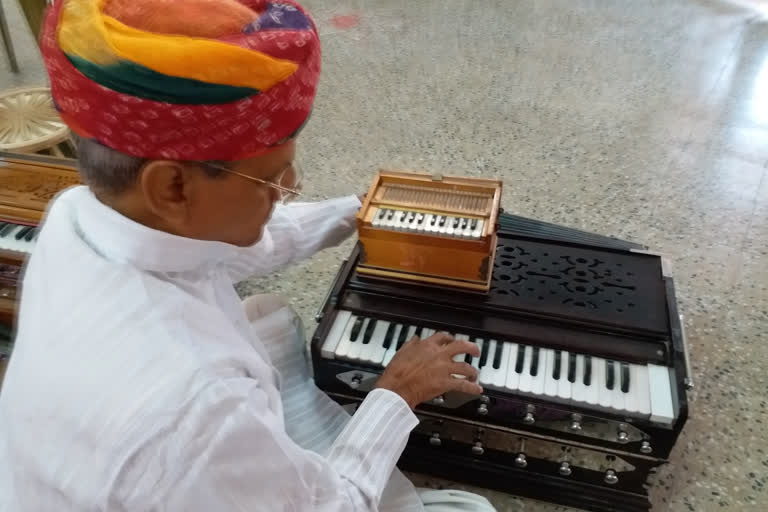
(583, 364)
(28, 182)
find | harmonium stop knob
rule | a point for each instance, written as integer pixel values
(520, 460)
(435, 440)
(482, 409)
(477, 448)
(565, 469)
(611, 477)
(528, 417)
(575, 425)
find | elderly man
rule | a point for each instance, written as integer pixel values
(139, 380)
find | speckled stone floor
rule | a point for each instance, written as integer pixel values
(643, 120)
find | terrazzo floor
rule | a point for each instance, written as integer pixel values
(643, 120)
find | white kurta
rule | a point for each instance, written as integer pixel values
(138, 382)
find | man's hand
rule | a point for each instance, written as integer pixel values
(424, 369)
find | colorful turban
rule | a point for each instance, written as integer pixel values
(182, 79)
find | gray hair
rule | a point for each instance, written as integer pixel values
(111, 172)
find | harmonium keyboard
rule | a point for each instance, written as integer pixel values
(432, 229)
(583, 364)
(28, 182)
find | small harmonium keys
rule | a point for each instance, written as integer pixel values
(17, 237)
(410, 221)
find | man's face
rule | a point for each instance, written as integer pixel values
(185, 200)
(233, 208)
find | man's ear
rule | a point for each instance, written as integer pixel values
(165, 185)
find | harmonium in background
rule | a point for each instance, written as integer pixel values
(27, 185)
(583, 356)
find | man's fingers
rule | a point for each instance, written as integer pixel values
(441, 338)
(465, 369)
(463, 347)
(466, 386)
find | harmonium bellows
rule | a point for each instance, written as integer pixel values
(433, 229)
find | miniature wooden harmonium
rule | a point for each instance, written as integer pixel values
(437, 230)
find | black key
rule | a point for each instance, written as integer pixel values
(402, 337)
(356, 328)
(420, 218)
(474, 224)
(7, 229)
(382, 213)
(609, 377)
(3, 224)
(497, 357)
(520, 359)
(587, 370)
(403, 215)
(411, 217)
(418, 331)
(22, 232)
(624, 378)
(467, 358)
(390, 334)
(556, 369)
(369, 331)
(32, 234)
(571, 367)
(443, 218)
(464, 223)
(535, 362)
(484, 354)
(433, 221)
(455, 222)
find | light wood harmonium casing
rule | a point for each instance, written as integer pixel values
(430, 257)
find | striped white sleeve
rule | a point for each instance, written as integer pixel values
(237, 456)
(295, 232)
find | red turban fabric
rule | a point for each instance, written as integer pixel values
(187, 80)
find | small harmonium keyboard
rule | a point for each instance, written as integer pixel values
(428, 223)
(635, 390)
(434, 230)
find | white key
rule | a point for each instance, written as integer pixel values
(467, 231)
(400, 219)
(9, 242)
(526, 382)
(639, 383)
(537, 386)
(487, 372)
(421, 227)
(379, 215)
(328, 349)
(390, 220)
(478, 231)
(618, 395)
(376, 350)
(409, 224)
(661, 394)
(460, 357)
(604, 398)
(356, 346)
(392, 346)
(427, 226)
(476, 360)
(578, 389)
(500, 376)
(591, 392)
(550, 384)
(564, 385)
(345, 345)
(513, 378)
(449, 229)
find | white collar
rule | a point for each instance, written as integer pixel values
(123, 240)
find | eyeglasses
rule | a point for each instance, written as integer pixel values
(286, 193)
